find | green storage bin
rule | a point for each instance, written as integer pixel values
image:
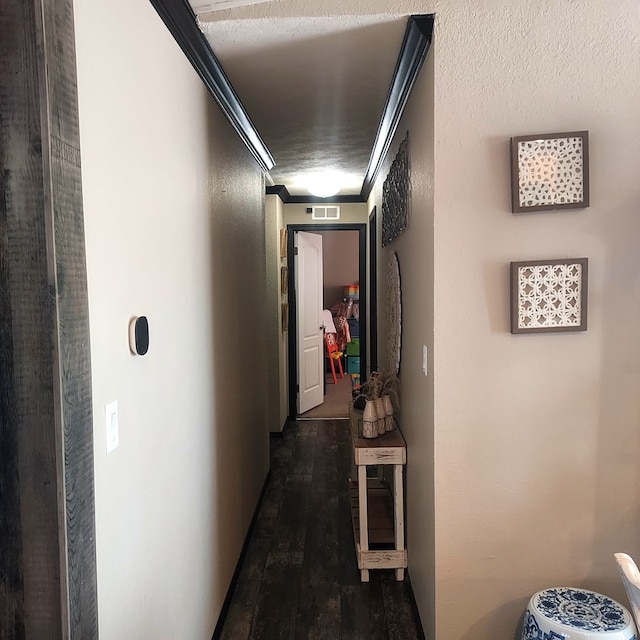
(353, 347)
(353, 364)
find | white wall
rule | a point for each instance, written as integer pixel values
(174, 230)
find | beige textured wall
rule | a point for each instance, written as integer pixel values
(523, 450)
(535, 438)
(416, 259)
(340, 264)
(175, 231)
(278, 347)
(273, 319)
(284, 344)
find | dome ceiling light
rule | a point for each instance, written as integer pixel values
(324, 185)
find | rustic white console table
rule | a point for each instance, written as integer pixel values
(377, 504)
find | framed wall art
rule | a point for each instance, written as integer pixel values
(549, 295)
(550, 171)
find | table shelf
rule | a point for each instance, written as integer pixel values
(377, 506)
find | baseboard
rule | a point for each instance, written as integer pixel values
(414, 607)
(217, 633)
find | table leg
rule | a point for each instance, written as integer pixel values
(398, 501)
(364, 520)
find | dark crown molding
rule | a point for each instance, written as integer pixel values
(283, 193)
(181, 22)
(415, 45)
(279, 190)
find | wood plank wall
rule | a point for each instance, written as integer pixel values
(47, 527)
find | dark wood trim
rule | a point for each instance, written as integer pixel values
(414, 608)
(415, 45)
(361, 228)
(292, 349)
(47, 527)
(362, 322)
(217, 633)
(181, 22)
(279, 190)
(283, 193)
(333, 200)
(373, 288)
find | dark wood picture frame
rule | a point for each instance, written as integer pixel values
(517, 302)
(519, 178)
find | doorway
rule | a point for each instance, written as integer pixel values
(292, 230)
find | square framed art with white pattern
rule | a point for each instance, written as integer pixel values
(549, 295)
(550, 171)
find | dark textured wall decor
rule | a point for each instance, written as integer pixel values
(395, 195)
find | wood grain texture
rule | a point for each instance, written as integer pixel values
(300, 578)
(45, 383)
(30, 524)
(74, 361)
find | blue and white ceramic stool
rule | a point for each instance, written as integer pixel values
(576, 614)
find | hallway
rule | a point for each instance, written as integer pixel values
(299, 578)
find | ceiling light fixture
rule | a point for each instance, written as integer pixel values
(324, 185)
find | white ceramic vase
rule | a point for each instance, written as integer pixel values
(369, 420)
(389, 422)
(380, 411)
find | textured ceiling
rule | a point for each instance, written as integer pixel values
(314, 87)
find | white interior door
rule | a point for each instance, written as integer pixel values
(308, 270)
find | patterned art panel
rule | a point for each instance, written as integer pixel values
(551, 172)
(395, 195)
(549, 295)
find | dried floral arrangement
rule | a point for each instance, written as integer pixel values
(381, 383)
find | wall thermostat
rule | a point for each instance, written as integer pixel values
(139, 335)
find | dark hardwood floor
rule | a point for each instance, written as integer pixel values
(299, 579)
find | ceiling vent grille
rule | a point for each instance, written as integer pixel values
(325, 213)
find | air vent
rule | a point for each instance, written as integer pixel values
(326, 213)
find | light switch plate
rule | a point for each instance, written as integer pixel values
(425, 360)
(111, 418)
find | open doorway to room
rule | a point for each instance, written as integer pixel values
(344, 295)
